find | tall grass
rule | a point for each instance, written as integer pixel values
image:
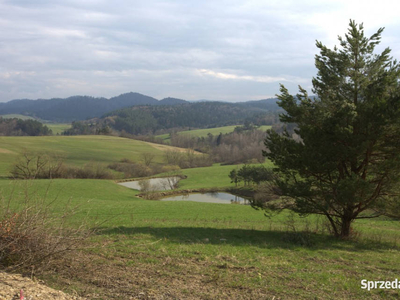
(33, 235)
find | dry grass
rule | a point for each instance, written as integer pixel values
(32, 236)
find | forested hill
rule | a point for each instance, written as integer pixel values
(73, 108)
(84, 107)
(152, 118)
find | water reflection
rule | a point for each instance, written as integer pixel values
(216, 197)
(153, 184)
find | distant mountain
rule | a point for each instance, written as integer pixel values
(172, 101)
(204, 100)
(134, 98)
(73, 108)
(77, 108)
(268, 104)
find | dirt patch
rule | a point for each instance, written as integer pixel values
(166, 148)
(2, 150)
(164, 278)
(12, 284)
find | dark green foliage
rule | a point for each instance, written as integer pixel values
(142, 120)
(84, 128)
(219, 139)
(246, 126)
(18, 127)
(346, 164)
(78, 108)
(234, 177)
(135, 122)
(196, 115)
(74, 108)
(251, 174)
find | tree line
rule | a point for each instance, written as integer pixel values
(240, 146)
(152, 120)
(18, 127)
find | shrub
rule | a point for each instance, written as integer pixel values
(49, 166)
(33, 237)
(131, 169)
(92, 170)
(188, 159)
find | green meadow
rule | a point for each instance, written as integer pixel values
(58, 128)
(77, 150)
(211, 251)
(12, 116)
(205, 132)
(149, 249)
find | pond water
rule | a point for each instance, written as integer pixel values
(153, 184)
(224, 198)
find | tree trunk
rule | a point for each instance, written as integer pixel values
(345, 229)
(333, 225)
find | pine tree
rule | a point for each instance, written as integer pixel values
(346, 164)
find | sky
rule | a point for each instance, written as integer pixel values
(228, 50)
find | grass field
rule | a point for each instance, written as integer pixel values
(188, 250)
(209, 177)
(148, 249)
(58, 128)
(205, 132)
(77, 150)
(22, 117)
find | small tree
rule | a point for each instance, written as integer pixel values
(29, 166)
(346, 164)
(172, 157)
(147, 158)
(234, 177)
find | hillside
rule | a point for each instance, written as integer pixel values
(75, 108)
(149, 119)
(205, 132)
(77, 150)
(16, 116)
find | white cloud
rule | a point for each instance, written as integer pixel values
(221, 75)
(227, 50)
(63, 33)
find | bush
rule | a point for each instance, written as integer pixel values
(170, 169)
(131, 169)
(38, 165)
(49, 166)
(31, 237)
(187, 159)
(92, 170)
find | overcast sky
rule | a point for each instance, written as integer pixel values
(219, 50)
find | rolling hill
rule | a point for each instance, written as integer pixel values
(77, 150)
(77, 108)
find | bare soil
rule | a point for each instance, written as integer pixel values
(117, 277)
(13, 285)
(166, 148)
(2, 150)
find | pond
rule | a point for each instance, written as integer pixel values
(223, 198)
(153, 184)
